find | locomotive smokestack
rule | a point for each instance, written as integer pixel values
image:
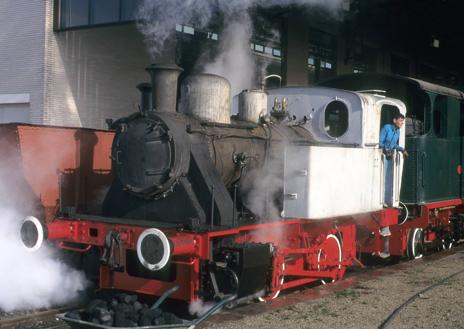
(146, 103)
(164, 79)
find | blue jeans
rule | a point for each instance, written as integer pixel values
(388, 181)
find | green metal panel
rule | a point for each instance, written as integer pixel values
(431, 173)
(411, 187)
(439, 161)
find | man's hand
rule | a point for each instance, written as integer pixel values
(405, 154)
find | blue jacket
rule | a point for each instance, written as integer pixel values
(389, 136)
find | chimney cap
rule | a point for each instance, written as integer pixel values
(144, 86)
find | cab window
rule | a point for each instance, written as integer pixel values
(417, 121)
(336, 119)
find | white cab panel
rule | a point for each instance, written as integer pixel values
(323, 182)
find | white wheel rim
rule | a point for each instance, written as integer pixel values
(166, 249)
(413, 245)
(330, 236)
(40, 233)
(445, 247)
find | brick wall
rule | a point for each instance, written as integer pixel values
(22, 51)
(91, 73)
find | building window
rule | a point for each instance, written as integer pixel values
(15, 113)
(359, 67)
(266, 51)
(105, 11)
(336, 119)
(82, 13)
(321, 57)
(128, 9)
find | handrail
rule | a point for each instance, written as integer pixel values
(382, 178)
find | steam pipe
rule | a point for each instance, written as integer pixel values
(146, 103)
(263, 82)
(164, 78)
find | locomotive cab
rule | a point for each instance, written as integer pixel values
(433, 133)
(346, 127)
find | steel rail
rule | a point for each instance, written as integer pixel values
(11, 322)
(397, 310)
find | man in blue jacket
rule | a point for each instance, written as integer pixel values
(388, 142)
(389, 137)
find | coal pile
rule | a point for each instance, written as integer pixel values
(123, 310)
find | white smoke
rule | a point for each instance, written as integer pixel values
(198, 307)
(158, 19)
(262, 188)
(234, 61)
(30, 280)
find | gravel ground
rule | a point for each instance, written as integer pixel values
(366, 300)
(32, 319)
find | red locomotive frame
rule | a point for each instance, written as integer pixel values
(304, 251)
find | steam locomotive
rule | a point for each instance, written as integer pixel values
(286, 192)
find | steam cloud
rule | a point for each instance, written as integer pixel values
(261, 187)
(29, 280)
(32, 280)
(234, 61)
(158, 18)
(198, 307)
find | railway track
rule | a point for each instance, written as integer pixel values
(47, 319)
(34, 320)
(355, 278)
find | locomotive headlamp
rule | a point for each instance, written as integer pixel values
(153, 249)
(32, 233)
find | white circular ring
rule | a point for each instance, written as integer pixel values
(166, 249)
(331, 236)
(413, 247)
(406, 215)
(40, 233)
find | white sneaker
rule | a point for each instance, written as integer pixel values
(384, 254)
